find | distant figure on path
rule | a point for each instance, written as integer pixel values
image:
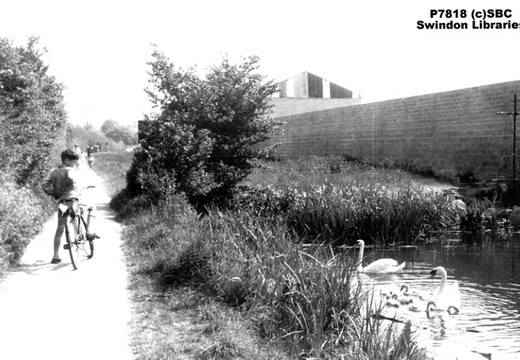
(78, 152)
(91, 160)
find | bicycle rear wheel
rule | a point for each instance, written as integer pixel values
(71, 244)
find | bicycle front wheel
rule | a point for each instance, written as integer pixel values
(84, 246)
(88, 248)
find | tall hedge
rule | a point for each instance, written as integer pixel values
(32, 115)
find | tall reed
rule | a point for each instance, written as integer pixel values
(369, 211)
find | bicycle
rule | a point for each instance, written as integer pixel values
(81, 244)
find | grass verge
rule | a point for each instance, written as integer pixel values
(239, 285)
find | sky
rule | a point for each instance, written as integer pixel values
(99, 49)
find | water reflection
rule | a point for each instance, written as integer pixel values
(488, 325)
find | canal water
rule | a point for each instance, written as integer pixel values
(488, 324)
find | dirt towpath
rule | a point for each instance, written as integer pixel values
(55, 312)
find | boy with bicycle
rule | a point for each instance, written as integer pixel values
(61, 183)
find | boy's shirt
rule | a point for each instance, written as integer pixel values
(61, 183)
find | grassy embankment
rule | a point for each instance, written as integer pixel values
(23, 211)
(246, 283)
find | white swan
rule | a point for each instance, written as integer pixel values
(381, 266)
(445, 297)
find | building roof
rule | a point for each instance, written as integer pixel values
(307, 85)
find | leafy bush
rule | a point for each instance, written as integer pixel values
(32, 114)
(172, 157)
(205, 135)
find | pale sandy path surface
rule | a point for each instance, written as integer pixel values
(54, 312)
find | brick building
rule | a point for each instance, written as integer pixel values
(307, 92)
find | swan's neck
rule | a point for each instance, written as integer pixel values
(443, 283)
(360, 258)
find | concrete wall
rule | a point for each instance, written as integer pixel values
(450, 132)
(292, 106)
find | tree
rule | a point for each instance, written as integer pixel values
(119, 133)
(32, 114)
(205, 134)
(108, 125)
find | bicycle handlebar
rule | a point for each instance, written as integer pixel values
(79, 193)
(63, 207)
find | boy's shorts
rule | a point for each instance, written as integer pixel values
(72, 204)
